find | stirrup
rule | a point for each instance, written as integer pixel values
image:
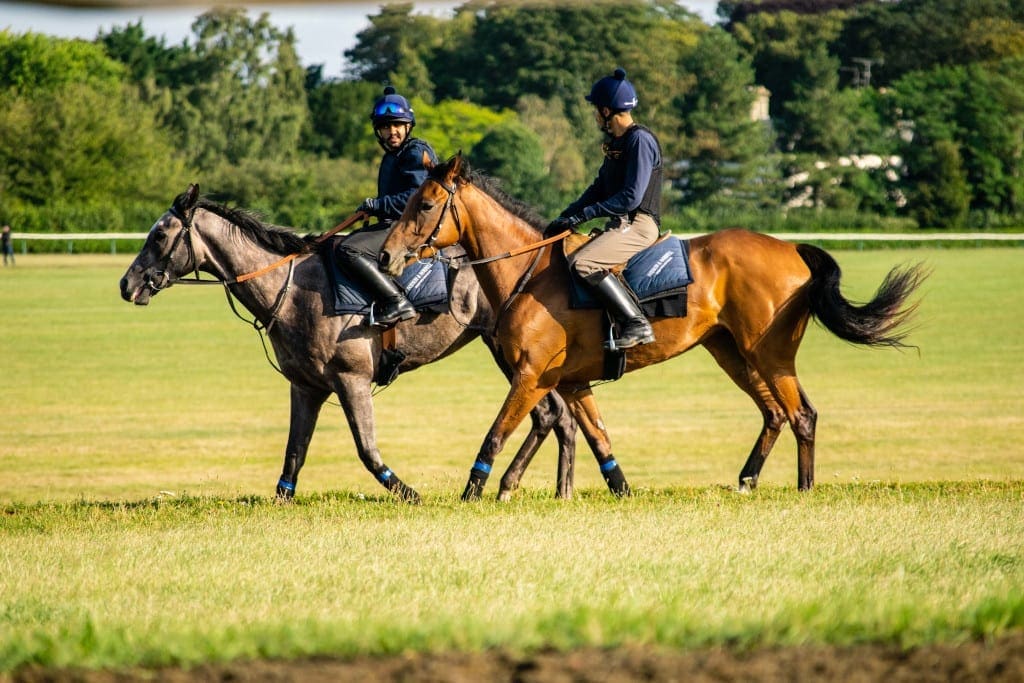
(628, 342)
(400, 313)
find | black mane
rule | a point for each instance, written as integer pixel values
(277, 239)
(492, 187)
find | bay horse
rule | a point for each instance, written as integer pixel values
(280, 278)
(749, 304)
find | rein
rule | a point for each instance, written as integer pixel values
(186, 235)
(525, 249)
(245, 277)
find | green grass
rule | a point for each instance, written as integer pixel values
(141, 446)
(184, 581)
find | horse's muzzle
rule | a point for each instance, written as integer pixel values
(389, 265)
(138, 290)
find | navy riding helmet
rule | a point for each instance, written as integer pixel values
(392, 107)
(614, 92)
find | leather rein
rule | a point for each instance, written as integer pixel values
(185, 235)
(527, 275)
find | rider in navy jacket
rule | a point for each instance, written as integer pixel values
(402, 169)
(627, 191)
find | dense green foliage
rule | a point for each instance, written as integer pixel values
(901, 113)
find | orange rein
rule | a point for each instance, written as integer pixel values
(524, 249)
(358, 215)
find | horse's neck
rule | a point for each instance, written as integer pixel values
(494, 231)
(230, 253)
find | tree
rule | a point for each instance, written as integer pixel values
(455, 125)
(719, 139)
(242, 91)
(339, 118)
(514, 154)
(77, 144)
(557, 51)
(394, 49)
(978, 112)
(32, 62)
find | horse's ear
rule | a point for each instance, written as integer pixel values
(428, 163)
(454, 169)
(192, 196)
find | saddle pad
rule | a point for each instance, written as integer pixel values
(424, 283)
(658, 276)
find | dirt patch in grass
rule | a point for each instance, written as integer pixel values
(992, 662)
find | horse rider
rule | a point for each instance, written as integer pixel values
(401, 171)
(627, 191)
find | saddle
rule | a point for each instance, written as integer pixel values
(425, 284)
(657, 276)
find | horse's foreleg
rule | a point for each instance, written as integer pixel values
(518, 403)
(357, 402)
(723, 349)
(583, 406)
(305, 409)
(549, 414)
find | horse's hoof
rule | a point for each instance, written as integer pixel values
(747, 485)
(283, 500)
(505, 495)
(473, 491)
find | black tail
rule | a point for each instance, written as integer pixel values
(879, 322)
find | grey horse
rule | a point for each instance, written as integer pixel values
(280, 278)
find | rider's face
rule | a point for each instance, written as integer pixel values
(393, 134)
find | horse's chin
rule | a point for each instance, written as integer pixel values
(395, 266)
(141, 295)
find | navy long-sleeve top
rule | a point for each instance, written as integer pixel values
(631, 162)
(400, 173)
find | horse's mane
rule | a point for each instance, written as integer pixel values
(275, 238)
(492, 187)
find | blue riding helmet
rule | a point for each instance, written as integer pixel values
(614, 92)
(392, 107)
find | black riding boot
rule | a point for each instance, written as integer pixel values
(391, 304)
(633, 326)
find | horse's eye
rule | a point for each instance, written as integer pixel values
(426, 207)
(160, 236)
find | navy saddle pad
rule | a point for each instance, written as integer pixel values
(425, 284)
(658, 276)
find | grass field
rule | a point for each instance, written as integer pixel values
(141, 447)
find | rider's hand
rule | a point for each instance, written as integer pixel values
(559, 225)
(369, 206)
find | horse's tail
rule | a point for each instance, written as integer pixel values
(879, 322)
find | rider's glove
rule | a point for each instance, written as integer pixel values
(560, 225)
(369, 205)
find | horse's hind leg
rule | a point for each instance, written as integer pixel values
(588, 417)
(305, 408)
(723, 349)
(780, 376)
(550, 413)
(356, 400)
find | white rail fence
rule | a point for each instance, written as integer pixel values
(855, 237)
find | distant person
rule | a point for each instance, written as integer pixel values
(8, 246)
(401, 172)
